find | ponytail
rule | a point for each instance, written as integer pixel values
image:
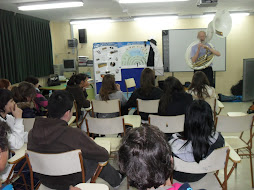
(77, 79)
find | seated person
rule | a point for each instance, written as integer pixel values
(4, 152)
(110, 91)
(200, 89)
(5, 84)
(53, 135)
(175, 100)
(77, 87)
(199, 138)
(147, 91)
(41, 102)
(146, 158)
(12, 115)
(24, 95)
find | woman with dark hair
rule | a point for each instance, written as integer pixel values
(147, 91)
(110, 91)
(24, 95)
(199, 138)
(200, 89)
(145, 157)
(41, 102)
(175, 100)
(5, 84)
(77, 87)
(16, 135)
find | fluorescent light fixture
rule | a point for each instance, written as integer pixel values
(90, 21)
(50, 5)
(147, 1)
(156, 18)
(239, 14)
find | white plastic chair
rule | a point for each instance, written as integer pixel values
(168, 124)
(130, 83)
(58, 164)
(238, 124)
(110, 106)
(217, 160)
(147, 106)
(107, 126)
(92, 186)
(28, 123)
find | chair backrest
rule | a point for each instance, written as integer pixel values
(130, 83)
(167, 124)
(227, 124)
(110, 106)
(56, 164)
(105, 125)
(147, 106)
(217, 160)
(92, 186)
(28, 123)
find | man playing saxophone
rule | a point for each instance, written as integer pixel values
(202, 53)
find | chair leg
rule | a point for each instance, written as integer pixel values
(24, 180)
(96, 174)
(251, 169)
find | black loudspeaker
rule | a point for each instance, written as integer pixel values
(82, 36)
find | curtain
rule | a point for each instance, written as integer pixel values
(27, 50)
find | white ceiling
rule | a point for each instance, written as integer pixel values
(111, 8)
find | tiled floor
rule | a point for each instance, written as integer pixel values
(240, 178)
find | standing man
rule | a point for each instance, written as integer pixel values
(199, 50)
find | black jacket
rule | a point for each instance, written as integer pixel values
(80, 97)
(155, 94)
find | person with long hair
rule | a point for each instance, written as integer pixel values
(147, 91)
(145, 157)
(11, 114)
(41, 102)
(110, 91)
(200, 89)
(198, 140)
(175, 100)
(5, 84)
(77, 87)
(24, 95)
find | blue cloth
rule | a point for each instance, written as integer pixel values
(202, 51)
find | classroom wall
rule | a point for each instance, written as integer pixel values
(240, 42)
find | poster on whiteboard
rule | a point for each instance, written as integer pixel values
(133, 54)
(106, 61)
(111, 57)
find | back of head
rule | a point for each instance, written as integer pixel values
(32, 80)
(198, 127)
(147, 81)
(5, 97)
(170, 86)
(59, 103)
(77, 79)
(4, 83)
(108, 86)
(145, 157)
(23, 91)
(198, 85)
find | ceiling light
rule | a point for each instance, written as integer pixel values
(238, 14)
(148, 1)
(156, 18)
(50, 5)
(88, 21)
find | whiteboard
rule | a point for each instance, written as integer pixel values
(179, 41)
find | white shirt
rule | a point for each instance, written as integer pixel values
(16, 139)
